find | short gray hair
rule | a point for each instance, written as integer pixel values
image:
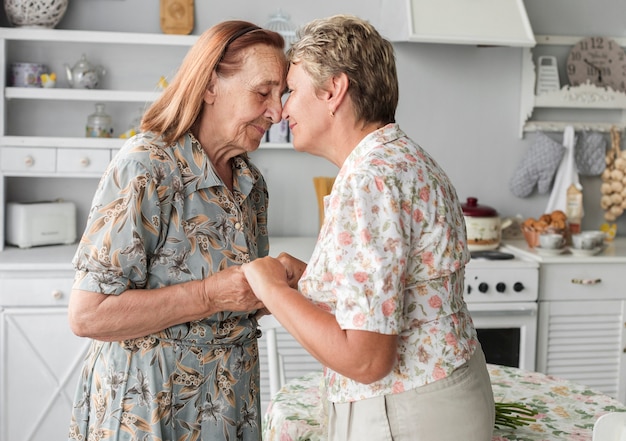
(348, 44)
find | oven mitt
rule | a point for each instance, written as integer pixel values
(589, 153)
(537, 167)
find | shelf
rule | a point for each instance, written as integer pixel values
(559, 126)
(586, 96)
(571, 98)
(69, 36)
(89, 143)
(39, 93)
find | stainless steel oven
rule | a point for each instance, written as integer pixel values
(502, 298)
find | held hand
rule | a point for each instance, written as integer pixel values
(295, 268)
(265, 273)
(228, 290)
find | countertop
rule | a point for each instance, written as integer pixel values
(59, 257)
(613, 252)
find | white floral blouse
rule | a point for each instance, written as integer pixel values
(390, 258)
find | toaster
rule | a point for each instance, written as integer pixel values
(40, 223)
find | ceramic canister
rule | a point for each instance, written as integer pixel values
(27, 74)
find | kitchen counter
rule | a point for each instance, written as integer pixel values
(60, 256)
(50, 257)
(614, 252)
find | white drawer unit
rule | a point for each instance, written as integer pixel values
(47, 291)
(27, 160)
(582, 281)
(82, 160)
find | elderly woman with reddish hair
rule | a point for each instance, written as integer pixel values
(158, 285)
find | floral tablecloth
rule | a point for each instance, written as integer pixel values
(566, 410)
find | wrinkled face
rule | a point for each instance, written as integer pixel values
(245, 105)
(306, 111)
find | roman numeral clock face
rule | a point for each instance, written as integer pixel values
(599, 60)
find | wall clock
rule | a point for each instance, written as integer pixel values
(600, 60)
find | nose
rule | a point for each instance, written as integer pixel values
(285, 112)
(274, 110)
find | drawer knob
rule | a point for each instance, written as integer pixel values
(586, 281)
(84, 162)
(57, 294)
(29, 161)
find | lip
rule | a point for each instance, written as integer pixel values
(260, 129)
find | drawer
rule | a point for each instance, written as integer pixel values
(582, 281)
(27, 159)
(53, 291)
(82, 160)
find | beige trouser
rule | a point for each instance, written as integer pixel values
(459, 407)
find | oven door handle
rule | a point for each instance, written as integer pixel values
(523, 311)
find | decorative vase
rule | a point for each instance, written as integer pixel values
(35, 13)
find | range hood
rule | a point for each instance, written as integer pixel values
(473, 22)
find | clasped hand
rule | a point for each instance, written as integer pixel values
(267, 273)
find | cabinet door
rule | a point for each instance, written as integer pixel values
(40, 363)
(583, 341)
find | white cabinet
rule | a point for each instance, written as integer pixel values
(584, 107)
(40, 358)
(582, 325)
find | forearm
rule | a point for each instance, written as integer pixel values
(136, 312)
(360, 355)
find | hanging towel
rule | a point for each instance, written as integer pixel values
(566, 175)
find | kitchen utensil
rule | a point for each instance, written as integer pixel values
(549, 251)
(581, 252)
(547, 75)
(177, 16)
(27, 74)
(99, 124)
(492, 255)
(84, 75)
(483, 225)
(582, 241)
(323, 186)
(551, 240)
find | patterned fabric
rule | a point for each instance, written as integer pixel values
(162, 216)
(390, 258)
(537, 167)
(566, 411)
(589, 153)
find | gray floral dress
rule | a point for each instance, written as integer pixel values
(161, 216)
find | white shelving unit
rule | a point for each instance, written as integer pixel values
(609, 105)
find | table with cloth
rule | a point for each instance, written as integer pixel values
(565, 410)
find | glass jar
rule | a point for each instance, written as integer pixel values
(99, 124)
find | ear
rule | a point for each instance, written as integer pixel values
(337, 92)
(211, 90)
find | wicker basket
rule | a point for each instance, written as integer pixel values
(35, 13)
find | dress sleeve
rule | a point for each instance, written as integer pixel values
(122, 230)
(371, 247)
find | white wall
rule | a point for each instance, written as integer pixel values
(461, 103)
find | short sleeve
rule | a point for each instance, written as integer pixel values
(121, 232)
